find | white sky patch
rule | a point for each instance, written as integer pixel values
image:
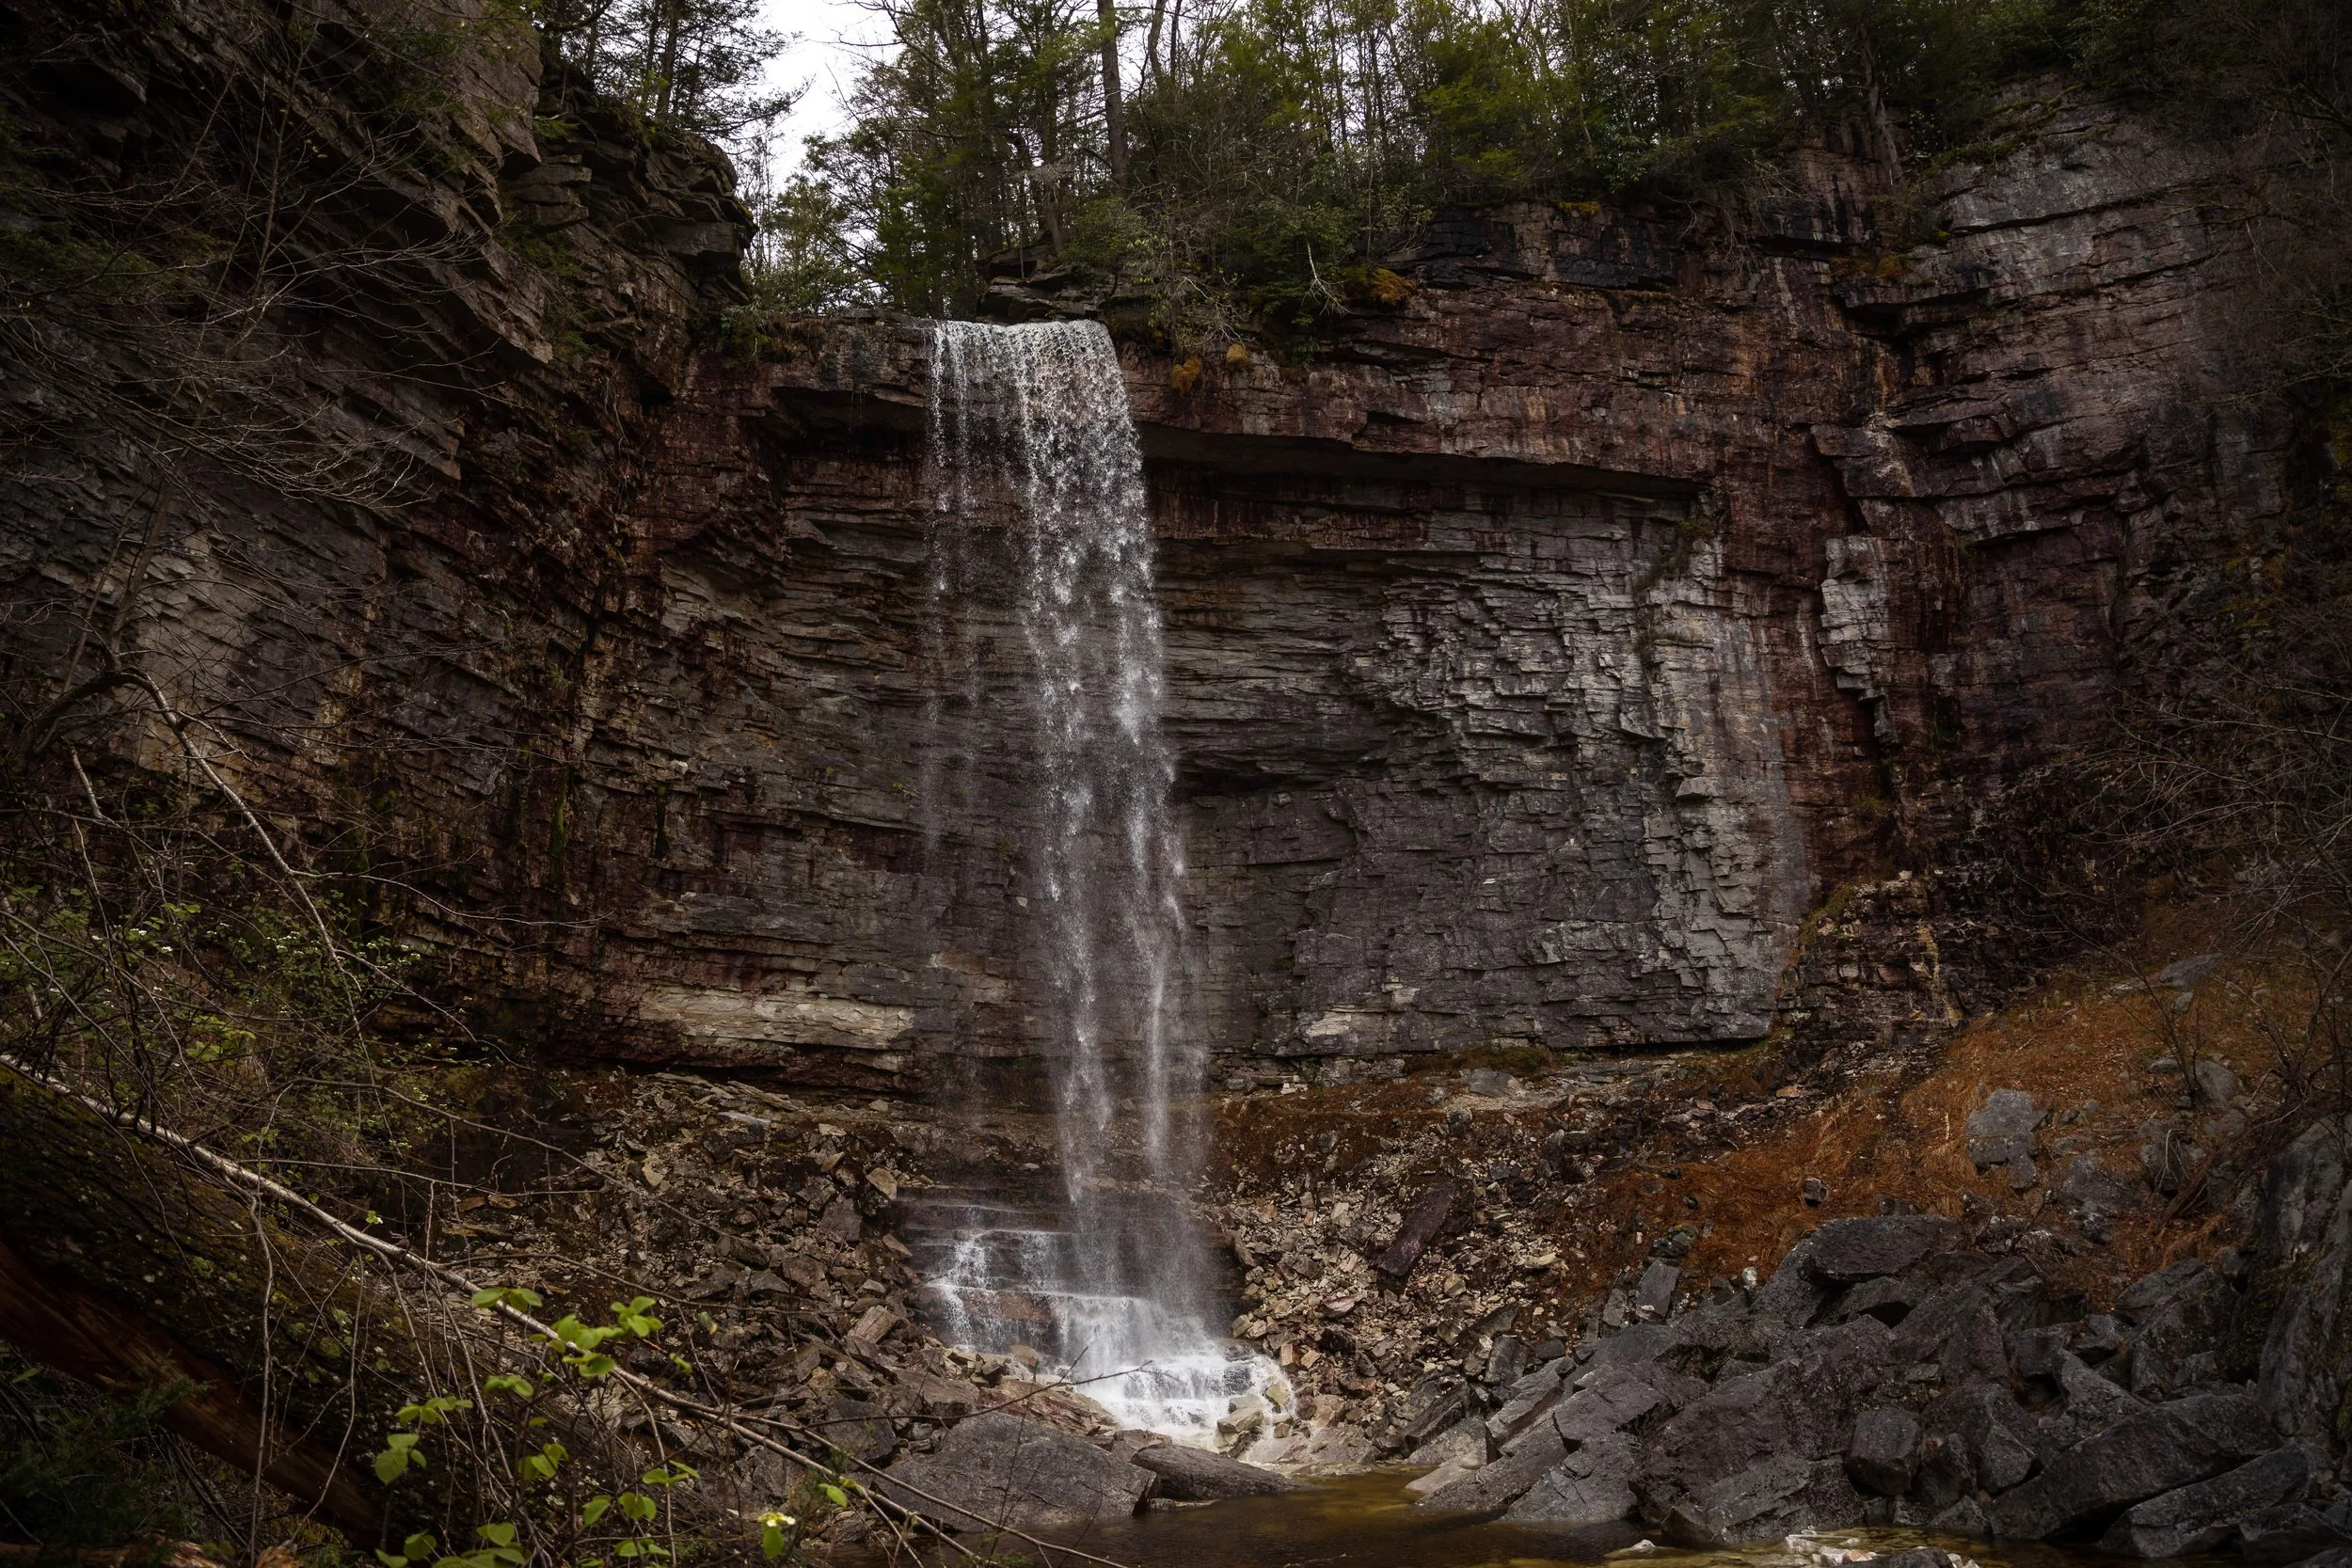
(821, 60)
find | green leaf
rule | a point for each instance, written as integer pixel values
(636, 1505)
(593, 1510)
(593, 1366)
(418, 1547)
(521, 1388)
(497, 1536)
(391, 1464)
(626, 1549)
(509, 1295)
(834, 1495)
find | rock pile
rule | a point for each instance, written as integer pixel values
(1888, 1373)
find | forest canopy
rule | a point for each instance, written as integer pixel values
(1266, 154)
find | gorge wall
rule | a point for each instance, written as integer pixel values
(1540, 654)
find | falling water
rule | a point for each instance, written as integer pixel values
(1035, 476)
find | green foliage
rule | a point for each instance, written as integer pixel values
(1278, 145)
(84, 1468)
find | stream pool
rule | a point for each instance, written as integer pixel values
(1368, 1520)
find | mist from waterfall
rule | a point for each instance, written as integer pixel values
(1040, 527)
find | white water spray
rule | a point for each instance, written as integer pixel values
(1034, 466)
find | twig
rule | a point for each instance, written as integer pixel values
(253, 1181)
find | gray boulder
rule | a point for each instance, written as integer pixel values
(2002, 1131)
(2287, 1532)
(1997, 1432)
(2303, 1262)
(2095, 1198)
(1592, 1486)
(1944, 1475)
(1879, 1455)
(1606, 1402)
(1846, 1252)
(1773, 1498)
(998, 1470)
(2197, 1518)
(2161, 1448)
(1197, 1474)
(1653, 1297)
(1528, 1401)
(1501, 1483)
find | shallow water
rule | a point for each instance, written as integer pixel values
(1368, 1520)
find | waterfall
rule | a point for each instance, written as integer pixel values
(1040, 540)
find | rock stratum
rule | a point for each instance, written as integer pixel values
(1541, 651)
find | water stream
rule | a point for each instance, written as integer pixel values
(1041, 540)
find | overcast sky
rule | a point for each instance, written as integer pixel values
(821, 57)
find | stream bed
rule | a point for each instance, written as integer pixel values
(1369, 1521)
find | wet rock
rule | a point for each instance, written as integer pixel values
(1495, 1486)
(1506, 1363)
(1964, 1517)
(2198, 1518)
(2180, 1315)
(1846, 1252)
(1943, 1474)
(1526, 1401)
(1196, 1475)
(1879, 1455)
(1605, 1401)
(998, 1469)
(1997, 1433)
(1592, 1485)
(2288, 1532)
(1434, 1404)
(1244, 1417)
(2151, 1451)
(2003, 1128)
(1773, 1497)
(1466, 1444)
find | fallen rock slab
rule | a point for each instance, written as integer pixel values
(1497, 1485)
(2155, 1451)
(1198, 1476)
(2198, 1518)
(1592, 1486)
(998, 1470)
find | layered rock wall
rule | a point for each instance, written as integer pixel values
(1541, 653)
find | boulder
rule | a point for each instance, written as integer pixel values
(1606, 1402)
(2198, 1518)
(1997, 1433)
(1593, 1486)
(2095, 1198)
(1497, 1485)
(998, 1470)
(1465, 1443)
(1526, 1402)
(2151, 1451)
(1197, 1474)
(1943, 1475)
(2287, 1532)
(1799, 1408)
(1434, 1404)
(1846, 1252)
(1775, 1498)
(1653, 1297)
(2303, 1262)
(2003, 1130)
(1964, 1517)
(859, 1427)
(1879, 1455)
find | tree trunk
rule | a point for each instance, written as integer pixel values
(1114, 111)
(122, 1266)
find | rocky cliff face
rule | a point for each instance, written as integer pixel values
(1541, 656)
